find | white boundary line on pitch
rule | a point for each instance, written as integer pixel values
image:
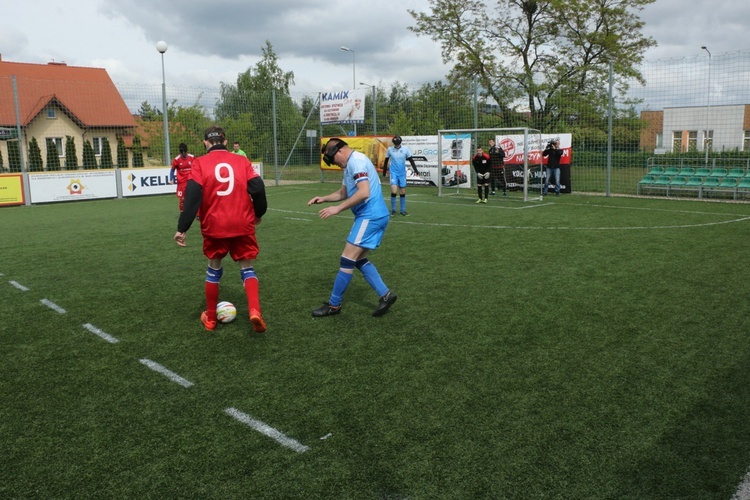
(743, 490)
(551, 228)
(109, 338)
(167, 373)
(53, 306)
(19, 286)
(266, 429)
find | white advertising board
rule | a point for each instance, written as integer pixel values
(74, 185)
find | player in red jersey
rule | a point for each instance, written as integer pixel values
(181, 166)
(231, 198)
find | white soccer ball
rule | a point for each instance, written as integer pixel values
(225, 312)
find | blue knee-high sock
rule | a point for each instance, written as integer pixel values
(372, 276)
(403, 202)
(343, 278)
(393, 202)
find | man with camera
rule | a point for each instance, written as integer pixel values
(553, 154)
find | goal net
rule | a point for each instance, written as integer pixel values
(522, 173)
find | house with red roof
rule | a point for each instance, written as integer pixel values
(55, 101)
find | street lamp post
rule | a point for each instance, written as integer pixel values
(374, 108)
(162, 46)
(708, 103)
(354, 76)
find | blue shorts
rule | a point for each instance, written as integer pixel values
(368, 233)
(398, 179)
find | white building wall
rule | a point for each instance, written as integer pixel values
(725, 121)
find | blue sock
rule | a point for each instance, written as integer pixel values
(403, 203)
(372, 276)
(343, 278)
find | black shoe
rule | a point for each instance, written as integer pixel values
(386, 301)
(492, 193)
(505, 194)
(404, 213)
(326, 310)
(393, 212)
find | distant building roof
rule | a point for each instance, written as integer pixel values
(87, 95)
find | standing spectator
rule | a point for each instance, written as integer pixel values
(398, 157)
(553, 154)
(180, 171)
(497, 168)
(236, 149)
(360, 191)
(232, 199)
(481, 163)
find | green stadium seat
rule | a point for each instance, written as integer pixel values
(736, 173)
(656, 171)
(744, 183)
(695, 181)
(647, 180)
(678, 181)
(719, 172)
(672, 171)
(728, 183)
(662, 180)
(703, 172)
(711, 182)
(687, 171)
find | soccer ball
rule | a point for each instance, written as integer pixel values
(225, 312)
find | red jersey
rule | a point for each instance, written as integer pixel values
(226, 208)
(182, 167)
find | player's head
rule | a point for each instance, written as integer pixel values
(215, 135)
(331, 149)
(396, 141)
(492, 142)
(183, 148)
(480, 150)
(236, 145)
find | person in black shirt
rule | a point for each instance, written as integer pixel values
(553, 154)
(497, 168)
(481, 163)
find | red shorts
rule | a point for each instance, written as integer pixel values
(239, 247)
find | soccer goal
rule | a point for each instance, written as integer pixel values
(523, 172)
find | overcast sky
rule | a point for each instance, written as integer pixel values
(212, 41)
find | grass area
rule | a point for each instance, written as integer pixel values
(580, 347)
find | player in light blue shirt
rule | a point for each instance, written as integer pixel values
(398, 156)
(360, 191)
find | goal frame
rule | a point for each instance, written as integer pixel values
(529, 134)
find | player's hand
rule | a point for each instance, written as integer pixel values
(180, 238)
(315, 201)
(172, 177)
(329, 212)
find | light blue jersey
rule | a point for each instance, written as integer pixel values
(397, 161)
(358, 169)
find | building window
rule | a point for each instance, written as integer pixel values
(659, 140)
(708, 140)
(51, 113)
(677, 141)
(58, 142)
(97, 143)
(692, 144)
(746, 141)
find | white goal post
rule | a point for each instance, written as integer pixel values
(523, 158)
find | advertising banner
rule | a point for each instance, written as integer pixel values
(74, 185)
(146, 181)
(346, 106)
(11, 190)
(513, 146)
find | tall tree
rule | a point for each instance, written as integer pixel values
(549, 57)
(35, 156)
(89, 157)
(122, 153)
(53, 156)
(106, 158)
(71, 158)
(14, 156)
(137, 151)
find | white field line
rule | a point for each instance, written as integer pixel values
(269, 431)
(743, 490)
(167, 373)
(19, 286)
(109, 338)
(53, 306)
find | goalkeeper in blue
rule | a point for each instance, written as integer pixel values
(398, 156)
(360, 191)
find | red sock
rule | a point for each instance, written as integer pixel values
(251, 291)
(212, 298)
